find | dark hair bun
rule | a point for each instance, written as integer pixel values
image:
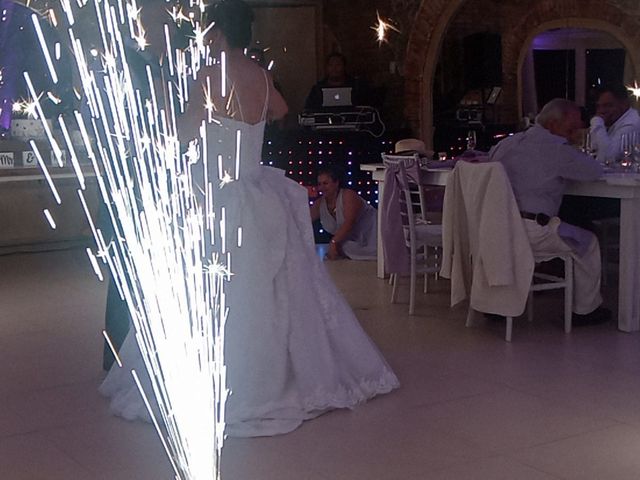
(233, 18)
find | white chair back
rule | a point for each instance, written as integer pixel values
(422, 241)
(413, 206)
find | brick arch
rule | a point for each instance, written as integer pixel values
(519, 41)
(433, 19)
(423, 50)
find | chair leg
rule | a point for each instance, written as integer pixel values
(412, 288)
(568, 294)
(530, 306)
(394, 281)
(507, 337)
(471, 315)
(426, 275)
(604, 254)
(391, 275)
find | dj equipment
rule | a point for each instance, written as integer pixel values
(347, 119)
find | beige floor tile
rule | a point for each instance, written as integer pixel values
(11, 422)
(550, 403)
(507, 420)
(610, 454)
(58, 406)
(33, 457)
(110, 444)
(495, 468)
(35, 361)
(364, 443)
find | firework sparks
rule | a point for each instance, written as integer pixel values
(44, 47)
(635, 90)
(226, 179)
(382, 28)
(160, 256)
(54, 99)
(49, 217)
(25, 107)
(113, 348)
(178, 16)
(223, 74)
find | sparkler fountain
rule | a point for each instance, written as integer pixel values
(171, 249)
(162, 255)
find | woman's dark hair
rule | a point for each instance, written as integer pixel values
(337, 55)
(333, 171)
(233, 18)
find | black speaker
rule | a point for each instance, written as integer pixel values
(482, 60)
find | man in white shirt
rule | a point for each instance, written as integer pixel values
(538, 163)
(614, 118)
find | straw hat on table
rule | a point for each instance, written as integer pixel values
(409, 146)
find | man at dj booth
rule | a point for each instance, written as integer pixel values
(337, 89)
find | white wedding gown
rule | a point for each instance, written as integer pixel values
(294, 348)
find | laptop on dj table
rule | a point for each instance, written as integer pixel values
(337, 97)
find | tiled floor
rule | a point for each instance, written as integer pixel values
(547, 406)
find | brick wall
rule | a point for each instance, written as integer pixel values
(440, 26)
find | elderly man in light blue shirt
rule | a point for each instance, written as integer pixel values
(539, 162)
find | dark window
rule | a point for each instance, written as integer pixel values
(603, 66)
(555, 75)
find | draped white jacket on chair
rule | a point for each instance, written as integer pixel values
(481, 221)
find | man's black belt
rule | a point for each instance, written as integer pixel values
(540, 218)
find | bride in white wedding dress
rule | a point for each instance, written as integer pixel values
(294, 348)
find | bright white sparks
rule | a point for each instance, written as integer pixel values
(635, 90)
(223, 74)
(225, 179)
(160, 256)
(49, 217)
(45, 48)
(382, 28)
(112, 348)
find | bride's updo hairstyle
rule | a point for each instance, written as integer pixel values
(233, 18)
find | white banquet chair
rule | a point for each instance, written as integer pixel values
(486, 251)
(422, 239)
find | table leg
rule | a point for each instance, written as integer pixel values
(380, 269)
(629, 265)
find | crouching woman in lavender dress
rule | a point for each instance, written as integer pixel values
(347, 216)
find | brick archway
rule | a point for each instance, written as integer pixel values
(423, 50)
(519, 42)
(433, 19)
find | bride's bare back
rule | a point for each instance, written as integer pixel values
(250, 95)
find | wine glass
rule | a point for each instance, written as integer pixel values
(626, 147)
(587, 146)
(471, 140)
